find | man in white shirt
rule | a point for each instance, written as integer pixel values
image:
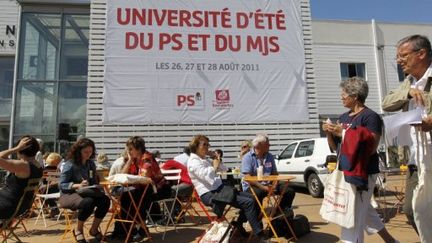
(183, 158)
(414, 56)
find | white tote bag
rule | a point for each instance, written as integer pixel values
(339, 199)
(219, 232)
(422, 196)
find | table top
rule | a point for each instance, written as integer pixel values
(228, 173)
(269, 178)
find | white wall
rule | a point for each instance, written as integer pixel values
(353, 41)
(170, 139)
(8, 16)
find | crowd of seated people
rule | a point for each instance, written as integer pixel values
(200, 170)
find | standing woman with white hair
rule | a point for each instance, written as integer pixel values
(354, 92)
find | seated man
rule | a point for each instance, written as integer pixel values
(260, 156)
(207, 184)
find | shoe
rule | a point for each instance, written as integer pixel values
(98, 235)
(240, 229)
(54, 212)
(162, 222)
(137, 237)
(117, 236)
(150, 224)
(263, 237)
(79, 237)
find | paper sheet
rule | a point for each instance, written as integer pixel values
(398, 125)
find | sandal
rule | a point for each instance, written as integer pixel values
(79, 237)
(98, 236)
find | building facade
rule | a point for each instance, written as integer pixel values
(9, 11)
(51, 75)
(352, 48)
(60, 72)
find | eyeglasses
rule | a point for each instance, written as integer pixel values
(344, 95)
(205, 144)
(405, 56)
(244, 146)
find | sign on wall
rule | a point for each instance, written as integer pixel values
(204, 61)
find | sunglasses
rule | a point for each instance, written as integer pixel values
(244, 146)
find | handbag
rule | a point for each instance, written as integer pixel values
(93, 192)
(227, 194)
(338, 205)
(219, 232)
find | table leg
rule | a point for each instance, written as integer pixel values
(267, 218)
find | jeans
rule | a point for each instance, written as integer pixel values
(88, 205)
(248, 209)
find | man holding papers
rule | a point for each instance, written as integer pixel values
(414, 56)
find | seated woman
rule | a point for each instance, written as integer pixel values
(141, 162)
(79, 171)
(52, 161)
(208, 184)
(21, 170)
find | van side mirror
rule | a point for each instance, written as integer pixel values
(277, 157)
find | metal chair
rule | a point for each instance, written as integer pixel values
(168, 204)
(52, 178)
(8, 226)
(187, 208)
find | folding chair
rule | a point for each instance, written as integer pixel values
(168, 204)
(52, 178)
(187, 207)
(8, 226)
(202, 206)
(68, 217)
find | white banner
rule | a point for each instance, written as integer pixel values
(204, 61)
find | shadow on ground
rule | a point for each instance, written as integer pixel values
(315, 237)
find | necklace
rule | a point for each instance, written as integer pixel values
(354, 113)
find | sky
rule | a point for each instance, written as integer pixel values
(398, 11)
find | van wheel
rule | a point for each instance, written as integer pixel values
(314, 185)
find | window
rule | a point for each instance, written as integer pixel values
(6, 83)
(35, 113)
(52, 77)
(74, 54)
(288, 152)
(40, 46)
(401, 74)
(72, 107)
(305, 149)
(349, 70)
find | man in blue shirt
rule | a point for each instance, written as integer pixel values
(260, 155)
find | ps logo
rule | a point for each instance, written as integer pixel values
(190, 98)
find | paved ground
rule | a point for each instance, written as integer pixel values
(322, 232)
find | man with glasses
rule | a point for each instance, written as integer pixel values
(260, 156)
(414, 56)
